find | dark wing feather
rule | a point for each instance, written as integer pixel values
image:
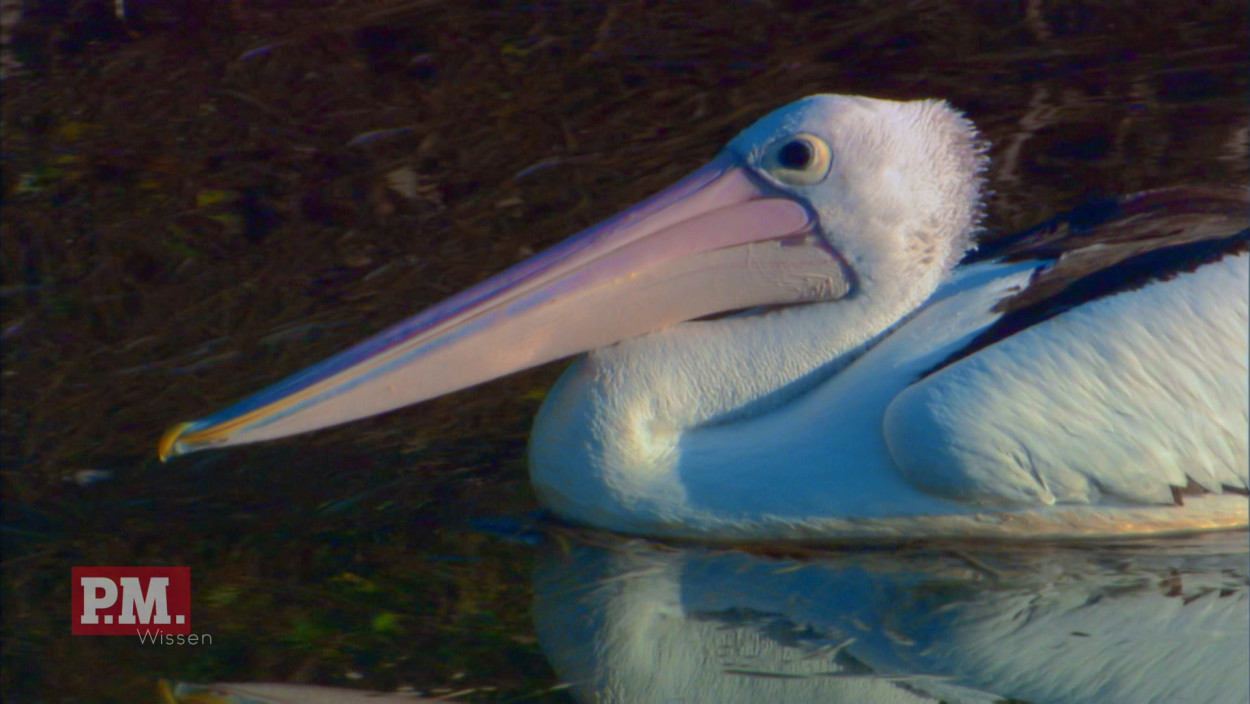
(1112, 246)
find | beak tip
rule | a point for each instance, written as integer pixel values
(167, 448)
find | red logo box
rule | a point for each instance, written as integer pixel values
(129, 601)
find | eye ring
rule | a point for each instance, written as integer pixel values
(799, 160)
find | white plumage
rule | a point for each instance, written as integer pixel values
(1090, 380)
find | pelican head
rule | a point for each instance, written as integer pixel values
(895, 186)
(831, 201)
(815, 202)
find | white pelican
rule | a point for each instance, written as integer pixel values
(1086, 378)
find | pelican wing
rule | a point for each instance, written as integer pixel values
(1127, 352)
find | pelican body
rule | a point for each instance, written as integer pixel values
(799, 342)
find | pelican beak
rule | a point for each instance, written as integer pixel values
(719, 240)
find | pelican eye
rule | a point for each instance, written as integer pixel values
(797, 154)
(802, 159)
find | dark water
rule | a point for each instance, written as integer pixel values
(213, 195)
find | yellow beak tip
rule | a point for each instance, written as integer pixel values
(167, 447)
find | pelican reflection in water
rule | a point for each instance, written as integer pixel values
(1160, 620)
(870, 374)
(624, 621)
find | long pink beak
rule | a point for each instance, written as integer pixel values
(718, 240)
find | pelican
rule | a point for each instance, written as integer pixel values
(799, 342)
